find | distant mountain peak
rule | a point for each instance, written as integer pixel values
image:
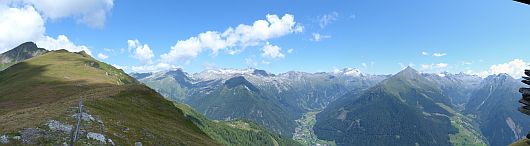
(258, 72)
(499, 78)
(20, 53)
(408, 72)
(239, 81)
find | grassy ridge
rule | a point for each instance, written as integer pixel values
(47, 86)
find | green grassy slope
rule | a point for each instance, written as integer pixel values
(49, 87)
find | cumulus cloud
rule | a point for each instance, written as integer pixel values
(61, 42)
(141, 52)
(272, 51)
(239, 37)
(102, 56)
(90, 12)
(324, 20)
(438, 54)
(20, 22)
(18, 25)
(515, 68)
(317, 37)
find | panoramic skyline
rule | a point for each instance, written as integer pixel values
(381, 37)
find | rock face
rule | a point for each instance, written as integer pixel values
(526, 95)
(20, 53)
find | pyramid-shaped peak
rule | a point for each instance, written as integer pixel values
(408, 71)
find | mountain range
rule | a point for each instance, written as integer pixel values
(39, 100)
(274, 101)
(407, 108)
(40, 91)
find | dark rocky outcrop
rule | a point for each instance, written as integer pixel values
(525, 95)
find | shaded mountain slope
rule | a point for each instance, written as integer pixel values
(237, 98)
(494, 106)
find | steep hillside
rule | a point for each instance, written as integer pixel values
(236, 132)
(39, 96)
(237, 98)
(405, 109)
(494, 106)
(20, 53)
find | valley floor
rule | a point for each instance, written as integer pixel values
(467, 133)
(304, 132)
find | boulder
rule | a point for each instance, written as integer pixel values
(4, 139)
(96, 136)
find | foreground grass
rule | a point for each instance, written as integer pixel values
(48, 86)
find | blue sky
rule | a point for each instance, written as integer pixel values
(378, 37)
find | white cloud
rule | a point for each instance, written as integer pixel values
(102, 56)
(425, 53)
(438, 54)
(21, 24)
(153, 67)
(141, 52)
(431, 67)
(515, 68)
(324, 20)
(18, 25)
(239, 37)
(317, 37)
(272, 51)
(90, 12)
(61, 42)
